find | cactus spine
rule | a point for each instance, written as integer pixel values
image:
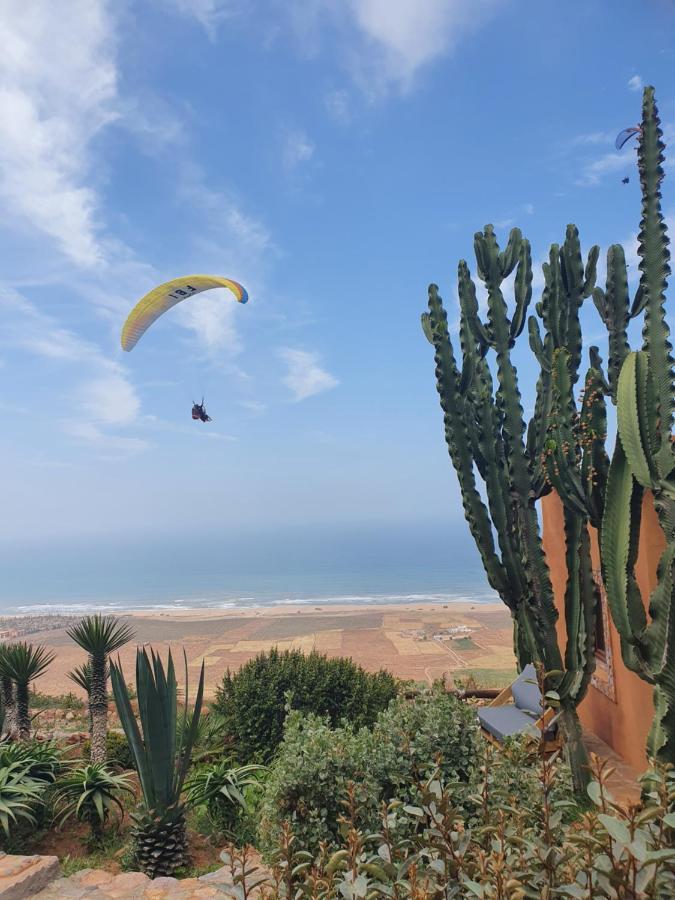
(644, 460)
(485, 426)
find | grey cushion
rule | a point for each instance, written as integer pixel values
(504, 721)
(526, 693)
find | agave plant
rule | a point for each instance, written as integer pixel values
(91, 794)
(162, 761)
(223, 790)
(24, 663)
(19, 796)
(7, 693)
(99, 636)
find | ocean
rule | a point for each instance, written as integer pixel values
(360, 565)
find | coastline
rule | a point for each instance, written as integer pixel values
(418, 641)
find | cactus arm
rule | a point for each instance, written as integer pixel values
(592, 437)
(654, 269)
(459, 447)
(581, 602)
(619, 546)
(540, 595)
(522, 289)
(636, 405)
(612, 305)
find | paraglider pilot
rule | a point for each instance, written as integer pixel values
(198, 412)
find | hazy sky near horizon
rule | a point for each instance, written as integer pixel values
(334, 157)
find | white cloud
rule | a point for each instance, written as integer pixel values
(594, 172)
(213, 320)
(305, 377)
(57, 87)
(226, 234)
(337, 106)
(635, 83)
(105, 398)
(297, 149)
(111, 400)
(384, 43)
(111, 447)
(209, 13)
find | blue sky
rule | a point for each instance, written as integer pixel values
(335, 157)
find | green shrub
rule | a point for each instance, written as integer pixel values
(513, 849)
(118, 752)
(315, 763)
(68, 701)
(252, 701)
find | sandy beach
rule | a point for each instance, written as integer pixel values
(422, 642)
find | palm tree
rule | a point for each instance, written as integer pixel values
(7, 691)
(24, 663)
(81, 676)
(99, 636)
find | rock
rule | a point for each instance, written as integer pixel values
(69, 716)
(24, 876)
(92, 877)
(128, 881)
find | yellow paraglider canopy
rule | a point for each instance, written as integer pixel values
(164, 296)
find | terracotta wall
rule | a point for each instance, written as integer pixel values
(622, 722)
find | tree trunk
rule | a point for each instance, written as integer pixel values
(98, 707)
(10, 705)
(22, 712)
(575, 750)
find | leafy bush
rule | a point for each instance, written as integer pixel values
(118, 752)
(252, 701)
(513, 849)
(68, 701)
(315, 763)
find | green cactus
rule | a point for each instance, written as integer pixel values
(486, 430)
(644, 460)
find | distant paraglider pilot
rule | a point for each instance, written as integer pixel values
(198, 412)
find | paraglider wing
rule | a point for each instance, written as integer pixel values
(164, 296)
(625, 135)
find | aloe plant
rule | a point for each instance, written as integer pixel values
(91, 794)
(644, 460)
(162, 761)
(99, 636)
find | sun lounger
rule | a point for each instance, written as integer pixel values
(519, 710)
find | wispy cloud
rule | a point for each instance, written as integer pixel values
(337, 105)
(227, 232)
(57, 89)
(383, 44)
(104, 397)
(209, 13)
(304, 376)
(635, 83)
(594, 172)
(298, 149)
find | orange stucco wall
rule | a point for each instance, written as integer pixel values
(622, 723)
